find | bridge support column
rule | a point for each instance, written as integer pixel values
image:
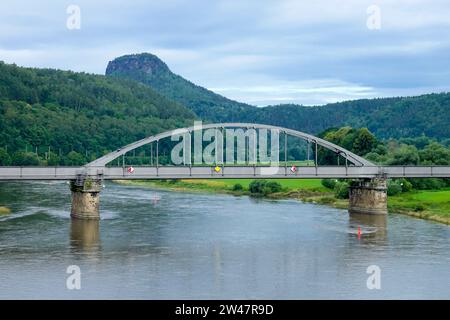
(368, 196)
(85, 198)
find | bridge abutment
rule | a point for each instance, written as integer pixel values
(85, 198)
(368, 196)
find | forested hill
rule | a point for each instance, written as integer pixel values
(149, 69)
(386, 117)
(427, 115)
(79, 112)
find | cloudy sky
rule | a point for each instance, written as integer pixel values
(260, 52)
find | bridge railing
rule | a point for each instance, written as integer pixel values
(180, 172)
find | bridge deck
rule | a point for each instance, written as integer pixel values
(208, 172)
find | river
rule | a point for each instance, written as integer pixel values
(154, 244)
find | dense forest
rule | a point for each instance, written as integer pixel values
(61, 117)
(386, 117)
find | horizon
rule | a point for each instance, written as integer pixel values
(284, 53)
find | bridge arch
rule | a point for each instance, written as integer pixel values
(350, 156)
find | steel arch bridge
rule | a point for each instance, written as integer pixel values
(353, 158)
(355, 166)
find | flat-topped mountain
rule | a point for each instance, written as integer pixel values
(149, 69)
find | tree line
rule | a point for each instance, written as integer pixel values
(420, 150)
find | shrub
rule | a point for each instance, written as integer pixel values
(341, 190)
(419, 207)
(273, 186)
(329, 183)
(393, 188)
(264, 187)
(427, 183)
(237, 187)
(405, 184)
(256, 186)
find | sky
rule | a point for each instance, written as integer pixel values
(255, 51)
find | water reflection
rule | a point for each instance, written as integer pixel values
(85, 235)
(373, 226)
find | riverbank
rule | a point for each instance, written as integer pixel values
(4, 210)
(424, 204)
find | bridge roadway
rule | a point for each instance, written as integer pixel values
(208, 172)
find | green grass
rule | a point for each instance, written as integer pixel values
(435, 202)
(227, 184)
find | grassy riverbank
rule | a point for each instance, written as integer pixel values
(425, 204)
(430, 205)
(4, 210)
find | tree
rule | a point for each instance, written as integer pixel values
(435, 153)
(5, 159)
(74, 158)
(405, 155)
(360, 141)
(21, 158)
(363, 142)
(53, 159)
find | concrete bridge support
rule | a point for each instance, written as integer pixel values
(368, 196)
(85, 198)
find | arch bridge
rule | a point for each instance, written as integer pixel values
(368, 196)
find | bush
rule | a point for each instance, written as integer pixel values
(341, 190)
(264, 187)
(273, 186)
(405, 184)
(393, 188)
(428, 183)
(419, 208)
(329, 183)
(256, 186)
(237, 187)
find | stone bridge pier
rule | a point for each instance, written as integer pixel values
(85, 198)
(368, 196)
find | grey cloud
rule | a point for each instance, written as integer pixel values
(283, 46)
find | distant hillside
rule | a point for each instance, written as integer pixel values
(386, 117)
(149, 69)
(89, 114)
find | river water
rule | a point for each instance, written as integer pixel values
(153, 244)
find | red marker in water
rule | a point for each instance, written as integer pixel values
(359, 232)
